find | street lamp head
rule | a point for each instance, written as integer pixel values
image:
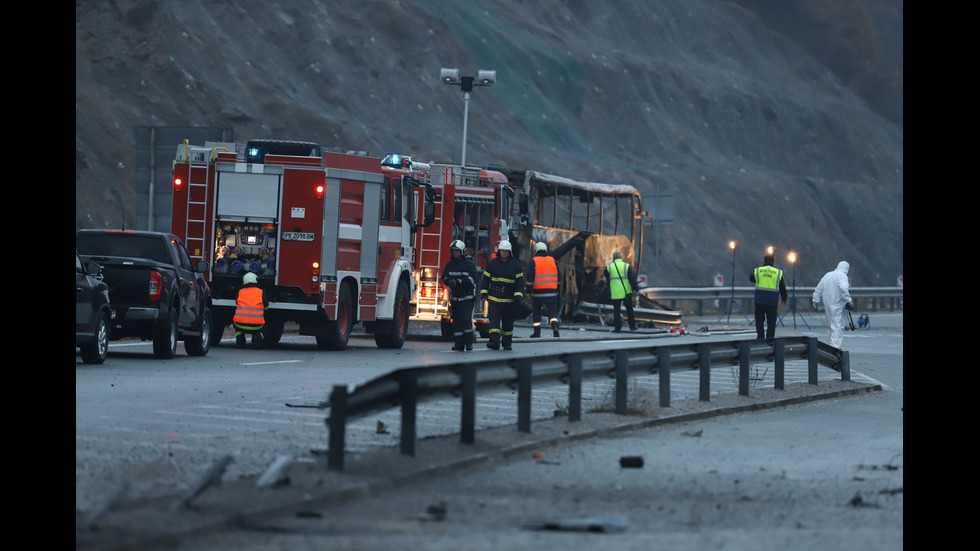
(449, 76)
(792, 257)
(486, 77)
(771, 251)
(732, 245)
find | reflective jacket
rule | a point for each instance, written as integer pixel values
(620, 279)
(503, 281)
(250, 307)
(769, 285)
(542, 276)
(460, 276)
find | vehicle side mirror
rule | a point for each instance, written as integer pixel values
(93, 269)
(201, 266)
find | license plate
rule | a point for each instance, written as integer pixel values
(297, 236)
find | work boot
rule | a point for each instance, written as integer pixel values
(494, 341)
(459, 346)
(537, 332)
(507, 342)
(554, 328)
(469, 345)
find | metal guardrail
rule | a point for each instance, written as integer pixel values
(410, 386)
(875, 296)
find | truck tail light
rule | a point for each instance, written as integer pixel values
(156, 285)
(319, 191)
(178, 184)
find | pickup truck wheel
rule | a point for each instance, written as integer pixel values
(199, 345)
(165, 340)
(394, 333)
(95, 352)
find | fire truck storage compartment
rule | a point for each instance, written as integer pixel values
(249, 195)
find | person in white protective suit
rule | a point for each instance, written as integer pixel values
(833, 292)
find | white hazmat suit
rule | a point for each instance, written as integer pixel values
(832, 292)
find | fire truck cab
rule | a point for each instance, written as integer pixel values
(329, 235)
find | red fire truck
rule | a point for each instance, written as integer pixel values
(330, 235)
(471, 205)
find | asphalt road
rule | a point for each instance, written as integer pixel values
(823, 471)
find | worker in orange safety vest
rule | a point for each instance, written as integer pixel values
(542, 278)
(250, 312)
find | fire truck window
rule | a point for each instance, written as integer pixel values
(386, 201)
(396, 209)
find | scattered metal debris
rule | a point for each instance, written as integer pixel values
(612, 523)
(106, 504)
(210, 478)
(277, 474)
(631, 462)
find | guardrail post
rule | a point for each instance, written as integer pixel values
(337, 423)
(845, 366)
(663, 366)
(704, 369)
(744, 366)
(467, 429)
(812, 355)
(575, 388)
(524, 395)
(622, 380)
(780, 352)
(408, 395)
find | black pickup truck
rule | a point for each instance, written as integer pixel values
(157, 292)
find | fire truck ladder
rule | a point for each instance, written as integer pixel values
(197, 194)
(431, 249)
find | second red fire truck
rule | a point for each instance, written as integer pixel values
(471, 204)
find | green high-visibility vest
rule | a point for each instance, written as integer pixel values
(619, 284)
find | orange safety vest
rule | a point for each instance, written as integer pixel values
(249, 309)
(545, 273)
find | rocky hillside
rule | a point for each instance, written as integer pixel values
(708, 100)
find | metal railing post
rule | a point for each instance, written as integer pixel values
(622, 380)
(744, 364)
(524, 395)
(336, 423)
(663, 366)
(704, 370)
(467, 430)
(575, 388)
(845, 366)
(780, 360)
(812, 355)
(408, 394)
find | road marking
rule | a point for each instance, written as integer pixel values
(272, 363)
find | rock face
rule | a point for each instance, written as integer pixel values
(755, 140)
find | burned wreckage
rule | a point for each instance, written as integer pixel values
(583, 224)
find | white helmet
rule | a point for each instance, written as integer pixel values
(504, 246)
(458, 245)
(250, 278)
(540, 246)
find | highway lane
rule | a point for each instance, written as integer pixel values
(156, 424)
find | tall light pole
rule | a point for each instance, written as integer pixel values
(484, 77)
(728, 309)
(792, 260)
